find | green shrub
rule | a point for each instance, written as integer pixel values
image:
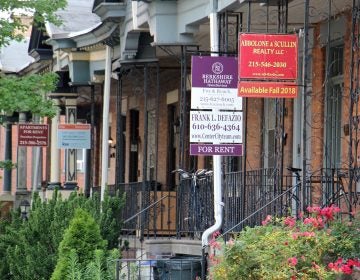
(29, 249)
(82, 237)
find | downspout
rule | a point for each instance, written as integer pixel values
(218, 204)
(105, 124)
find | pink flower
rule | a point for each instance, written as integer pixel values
(353, 262)
(290, 222)
(292, 261)
(315, 222)
(301, 214)
(215, 234)
(328, 212)
(267, 220)
(346, 269)
(308, 234)
(315, 209)
(213, 259)
(339, 261)
(315, 266)
(214, 244)
(340, 266)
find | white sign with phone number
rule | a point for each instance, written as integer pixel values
(216, 127)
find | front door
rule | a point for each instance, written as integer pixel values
(333, 107)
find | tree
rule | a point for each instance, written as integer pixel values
(23, 94)
(14, 28)
(101, 268)
(27, 94)
(83, 238)
(29, 249)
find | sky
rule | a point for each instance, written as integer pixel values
(6, 14)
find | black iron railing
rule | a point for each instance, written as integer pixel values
(188, 211)
(340, 187)
(261, 187)
(148, 211)
(266, 193)
(195, 211)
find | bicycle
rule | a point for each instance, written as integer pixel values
(196, 219)
(338, 194)
(333, 195)
(294, 198)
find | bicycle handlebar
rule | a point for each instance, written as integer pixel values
(294, 169)
(198, 173)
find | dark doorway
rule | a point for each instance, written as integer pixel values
(173, 129)
(134, 145)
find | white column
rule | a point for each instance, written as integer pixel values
(54, 151)
(36, 162)
(21, 160)
(105, 124)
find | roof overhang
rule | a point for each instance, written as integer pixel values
(111, 11)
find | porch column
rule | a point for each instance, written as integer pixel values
(70, 154)
(21, 188)
(21, 161)
(7, 157)
(105, 124)
(54, 151)
(36, 163)
(89, 154)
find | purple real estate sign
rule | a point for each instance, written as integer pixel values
(214, 83)
(214, 87)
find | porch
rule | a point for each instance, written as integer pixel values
(185, 212)
(161, 235)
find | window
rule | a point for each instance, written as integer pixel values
(333, 109)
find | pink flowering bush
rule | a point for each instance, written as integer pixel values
(317, 246)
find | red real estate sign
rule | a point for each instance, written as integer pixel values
(268, 56)
(36, 135)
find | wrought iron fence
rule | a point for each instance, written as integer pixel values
(148, 211)
(261, 187)
(265, 192)
(195, 211)
(188, 211)
(340, 187)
